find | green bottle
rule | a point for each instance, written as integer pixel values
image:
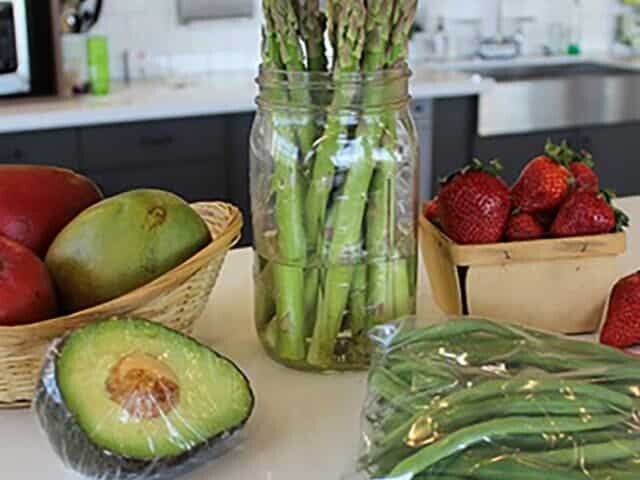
(98, 57)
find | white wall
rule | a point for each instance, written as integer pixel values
(598, 18)
(149, 30)
(158, 45)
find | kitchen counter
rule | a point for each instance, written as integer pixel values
(215, 94)
(305, 425)
(234, 92)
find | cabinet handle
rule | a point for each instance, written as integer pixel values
(159, 141)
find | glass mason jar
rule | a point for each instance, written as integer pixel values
(334, 204)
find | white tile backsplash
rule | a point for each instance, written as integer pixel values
(598, 18)
(159, 45)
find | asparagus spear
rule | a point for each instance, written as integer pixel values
(287, 30)
(279, 52)
(346, 27)
(352, 201)
(313, 23)
(347, 23)
(389, 290)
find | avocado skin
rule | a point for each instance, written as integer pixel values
(77, 452)
(123, 243)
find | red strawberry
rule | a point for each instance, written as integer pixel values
(523, 226)
(582, 170)
(545, 182)
(474, 204)
(587, 213)
(622, 325)
(431, 210)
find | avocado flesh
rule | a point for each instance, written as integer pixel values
(215, 401)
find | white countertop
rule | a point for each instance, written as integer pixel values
(233, 92)
(215, 94)
(306, 426)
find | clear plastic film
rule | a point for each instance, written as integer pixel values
(475, 399)
(129, 399)
(334, 206)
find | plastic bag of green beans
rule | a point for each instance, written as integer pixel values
(474, 399)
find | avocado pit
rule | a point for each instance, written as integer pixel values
(144, 387)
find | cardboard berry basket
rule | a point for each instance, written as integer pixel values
(175, 299)
(559, 285)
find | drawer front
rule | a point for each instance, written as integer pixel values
(50, 147)
(152, 144)
(193, 182)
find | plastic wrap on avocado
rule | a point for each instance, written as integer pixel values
(128, 399)
(474, 399)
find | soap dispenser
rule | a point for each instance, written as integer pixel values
(440, 41)
(576, 29)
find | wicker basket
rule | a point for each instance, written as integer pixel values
(176, 299)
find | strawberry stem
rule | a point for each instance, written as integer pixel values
(622, 219)
(584, 156)
(561, 154)
(564, 155)
(476, 165)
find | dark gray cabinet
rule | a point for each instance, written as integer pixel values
(454, 129)
(455, 142)
(514, 151)
(153, 144)
(204, 158)
(615, 151)
(48, 147)
(193, 182)
(239, 132)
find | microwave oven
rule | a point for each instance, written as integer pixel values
(27, 58)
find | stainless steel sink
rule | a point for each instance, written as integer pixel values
(539, 98)
(519, 73)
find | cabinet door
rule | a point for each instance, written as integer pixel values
(615, 151)
(193, 182)
(514, 151)
(454, 127)
(48, 147)
(238, 153)
(153, 144)
(422, 111)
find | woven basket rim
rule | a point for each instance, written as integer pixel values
(218, 246)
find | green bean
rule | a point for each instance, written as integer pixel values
(452, 328)
(509, 469)
(545, 442)
(463, 439)
(496, 388)
(465, 326)
(513, 469)
(594, 454)
(388, 385)
(455, 418)
(424, 427)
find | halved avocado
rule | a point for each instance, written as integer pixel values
(127, 397)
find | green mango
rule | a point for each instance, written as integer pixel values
(123, 243)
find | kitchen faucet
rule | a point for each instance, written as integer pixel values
(502, 46)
